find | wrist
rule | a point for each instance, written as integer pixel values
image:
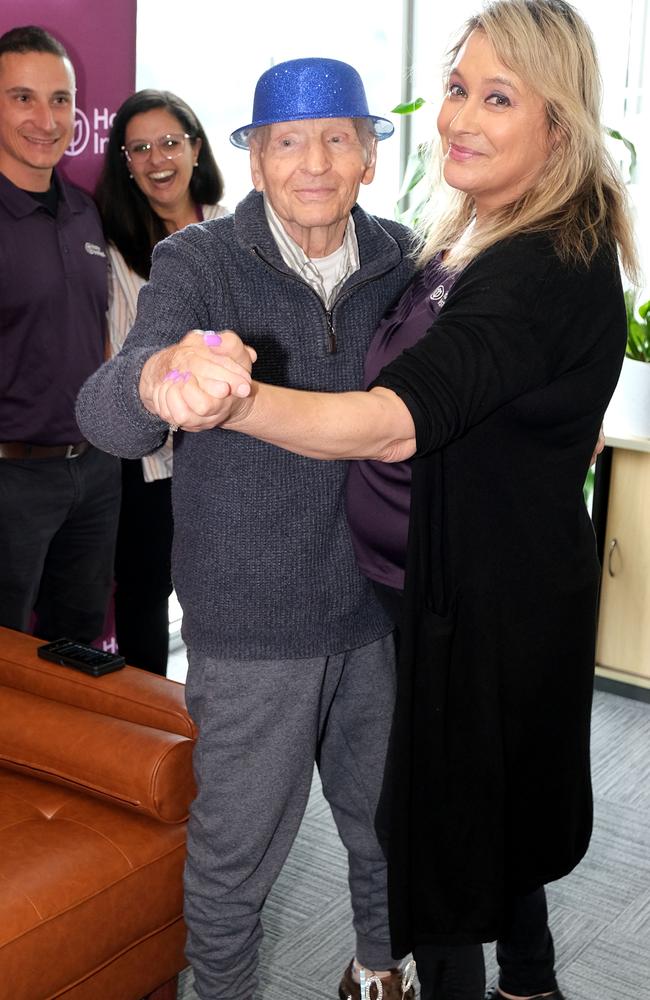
(242, 410)
(147, 382)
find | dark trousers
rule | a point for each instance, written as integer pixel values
(143, 569)
(58, 519)
(450, 972)
(525, 954)
(525, 951)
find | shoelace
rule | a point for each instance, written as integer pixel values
(365, 982)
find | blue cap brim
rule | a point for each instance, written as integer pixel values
(382, 128)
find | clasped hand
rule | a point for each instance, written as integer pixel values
(200, 382)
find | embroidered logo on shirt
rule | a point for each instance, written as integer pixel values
(94, 250)
(439, 295)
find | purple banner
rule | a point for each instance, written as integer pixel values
(100, 39)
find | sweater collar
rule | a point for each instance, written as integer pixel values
(379, 252)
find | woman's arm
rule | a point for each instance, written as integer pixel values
(212, 388)
(512, 325)
(350, 425)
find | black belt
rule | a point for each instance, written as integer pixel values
(21, 449)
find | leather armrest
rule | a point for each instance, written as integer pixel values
(130, 694)
(142, 768)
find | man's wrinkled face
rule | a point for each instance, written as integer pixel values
(311, 172)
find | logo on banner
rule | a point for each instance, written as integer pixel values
(81, 134)
(84, 132)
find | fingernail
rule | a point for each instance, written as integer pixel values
(185, 377)
(172, 376)
(211, 338)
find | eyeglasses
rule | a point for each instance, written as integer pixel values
(171, 146)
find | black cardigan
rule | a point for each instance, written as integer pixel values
(489, 782)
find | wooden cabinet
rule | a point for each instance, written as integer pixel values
(623, 648)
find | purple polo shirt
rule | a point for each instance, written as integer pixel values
(379, 493)
(53, 300)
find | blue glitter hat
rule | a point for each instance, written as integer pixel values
(309, 88)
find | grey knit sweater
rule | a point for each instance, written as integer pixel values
(262, 560)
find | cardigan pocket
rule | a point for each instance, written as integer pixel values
(432, 649)
(407, 816)
(430, 684)
(454, 856)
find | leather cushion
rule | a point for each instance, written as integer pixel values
(80, 881)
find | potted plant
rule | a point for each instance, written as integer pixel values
(638, 329)
(628, 414)
(415, 173)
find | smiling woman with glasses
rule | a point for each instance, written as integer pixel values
(159, 175)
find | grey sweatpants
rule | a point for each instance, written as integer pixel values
(262, 724)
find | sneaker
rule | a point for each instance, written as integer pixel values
(392, 987)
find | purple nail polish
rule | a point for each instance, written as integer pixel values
(172, 376)
(185, 376)
(211, 338)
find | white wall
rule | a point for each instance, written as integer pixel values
(213, 55)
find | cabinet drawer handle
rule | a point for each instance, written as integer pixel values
(612, 546)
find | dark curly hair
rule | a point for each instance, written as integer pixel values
(129, 221)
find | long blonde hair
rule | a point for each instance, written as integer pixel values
(579, 197)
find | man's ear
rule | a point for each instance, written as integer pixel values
(371, 163)
(257, 173)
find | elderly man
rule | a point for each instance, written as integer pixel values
(290, 655)
(59, 498)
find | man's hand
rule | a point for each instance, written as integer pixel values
(199, 382)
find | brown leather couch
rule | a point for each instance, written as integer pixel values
(95, 785)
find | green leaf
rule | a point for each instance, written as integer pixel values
(413, 174)
(410, 107)
(588, 488)
(630, 298)
(412, 215)
(631, 148)
(638, 340)
(638, 328)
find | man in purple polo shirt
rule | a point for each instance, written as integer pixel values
(59, 497)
